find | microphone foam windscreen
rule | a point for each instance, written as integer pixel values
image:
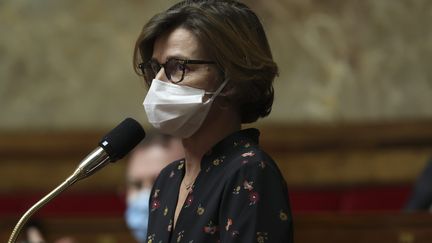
(122, 139)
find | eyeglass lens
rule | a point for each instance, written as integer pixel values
(174, 70)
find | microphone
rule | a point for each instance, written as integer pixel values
(112, 147)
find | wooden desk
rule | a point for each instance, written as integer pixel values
(363, 228)
(82, 229)
(308, 228)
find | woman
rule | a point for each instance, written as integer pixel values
(210, 69)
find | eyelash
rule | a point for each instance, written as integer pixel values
(182, 66)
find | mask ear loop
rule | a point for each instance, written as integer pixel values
(215, 93)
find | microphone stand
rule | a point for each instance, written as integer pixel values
(95, 160)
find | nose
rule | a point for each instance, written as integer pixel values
(161, 75)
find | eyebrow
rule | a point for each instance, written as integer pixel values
(177, 57)
(168, 58)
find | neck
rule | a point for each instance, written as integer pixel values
(218, 124)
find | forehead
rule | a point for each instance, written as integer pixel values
(180, 43)
(147, 161)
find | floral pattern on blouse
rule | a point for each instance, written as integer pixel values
(239, 196)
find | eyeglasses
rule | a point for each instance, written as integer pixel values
(174, 68)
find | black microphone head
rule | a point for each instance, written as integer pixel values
(122, 139)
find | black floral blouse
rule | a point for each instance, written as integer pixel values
(238, 196)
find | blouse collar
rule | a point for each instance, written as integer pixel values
(245, 138)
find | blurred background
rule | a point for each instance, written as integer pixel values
(351, 126)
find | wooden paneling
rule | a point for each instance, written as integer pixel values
(354, 153)
(353, 167)
(36, 161)
(308, 155)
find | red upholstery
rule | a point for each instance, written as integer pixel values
(66, 204)
(349, 199)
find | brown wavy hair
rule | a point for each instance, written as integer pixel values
(234, 38)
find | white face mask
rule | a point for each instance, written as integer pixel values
(177, 110)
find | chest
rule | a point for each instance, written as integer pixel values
(182, 199)
(189, 215)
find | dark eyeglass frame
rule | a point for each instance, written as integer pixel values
(149, 65)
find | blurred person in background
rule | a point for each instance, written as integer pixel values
(35, 233)
(144, 164)
(421, 196)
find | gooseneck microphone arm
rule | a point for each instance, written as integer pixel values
(97, 159)
(113, 146)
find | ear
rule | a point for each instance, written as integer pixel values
(224, 99)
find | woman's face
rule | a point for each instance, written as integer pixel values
(183, 44)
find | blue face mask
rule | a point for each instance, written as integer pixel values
(137, 213)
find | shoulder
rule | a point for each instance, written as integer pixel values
(252, 157)
(251, 162)
(174, 169)
(254, 179)
(175, 165)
